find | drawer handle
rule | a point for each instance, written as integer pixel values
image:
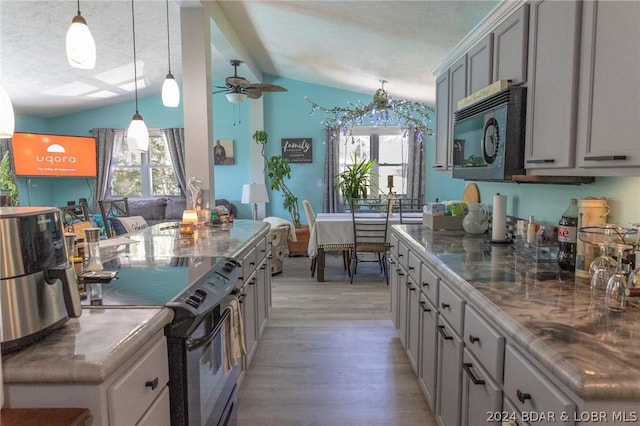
(473, 338)
(545, 161)
(425, 284)
(400, 254)
(522, 397)
(153, 384)
(391, 261)
(467, 367)
(444, 335)
(606, 158)
(411, 268)
(400, 273)
(424, 307)
(412, 288)
(445, 306)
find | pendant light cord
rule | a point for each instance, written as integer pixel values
(168, 42)
(135, 67)
(78, 7)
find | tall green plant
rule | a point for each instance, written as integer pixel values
(7, 180)
(355, 180)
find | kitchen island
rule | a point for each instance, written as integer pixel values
(536, 320)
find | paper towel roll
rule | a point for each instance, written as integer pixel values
(499, 220)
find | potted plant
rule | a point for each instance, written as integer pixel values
(278, 171)
(8, 187)
(355, 180)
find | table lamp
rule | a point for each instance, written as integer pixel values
(254, 193)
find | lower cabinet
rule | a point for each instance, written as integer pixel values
(481, 396)
(403, 303)
(249, 322)
(448, 383)
(125, 398)
(427, 356)
(413, 323)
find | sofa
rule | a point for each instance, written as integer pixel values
(165, 209)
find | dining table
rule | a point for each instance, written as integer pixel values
(334, 232)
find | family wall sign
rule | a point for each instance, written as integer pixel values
(297, 150)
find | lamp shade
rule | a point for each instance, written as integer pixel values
(170, 92)
(235, 97)
(7, 117)
(81, 48)
(254, 193)
(137, 134)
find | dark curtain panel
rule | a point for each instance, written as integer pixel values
(331, 199)
(104, 147)
(175, 142)
(416, 167)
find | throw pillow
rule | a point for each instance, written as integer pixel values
(175, 208)
(125, 225)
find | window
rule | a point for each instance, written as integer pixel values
(146, 174)
(388, 146)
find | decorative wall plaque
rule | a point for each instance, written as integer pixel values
(297, 150)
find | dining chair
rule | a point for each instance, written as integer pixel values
(75, 213)
(370, 228)
(110, 208)
(408, 205)
(311, 220)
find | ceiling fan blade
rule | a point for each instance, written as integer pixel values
(266, 87)
(252, 92)
(215, 92)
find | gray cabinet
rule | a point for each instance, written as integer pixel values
(428, 355)
(480, 65)
(481, 395)
(448, 382)
(609, 106)
(441, 151)
(457, 91)
(554, 35)
(413, 322)
(510, 47)
(249, 321)
(403, 303)
(394, 293)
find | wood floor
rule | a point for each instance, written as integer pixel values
(330, 355)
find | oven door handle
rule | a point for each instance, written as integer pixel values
(193, 344)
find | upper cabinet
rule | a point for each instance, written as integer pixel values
(609, 95)
(554, 35)
(510, 47)
(480, 65)
(440, 160)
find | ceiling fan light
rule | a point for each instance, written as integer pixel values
(81, 48)
(170, 92)
(138, 134)
(236, 98)
(7, 118)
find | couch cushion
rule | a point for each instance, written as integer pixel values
(148, 208)
(127, 224)
(175, 208)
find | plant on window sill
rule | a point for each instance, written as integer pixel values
(355, 180)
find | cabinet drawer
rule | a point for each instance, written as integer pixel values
(481, 396)
(158, 414)
(429, 284)
(531, 392)
(485, 342)
(403, 253)
(393, 241)
(413, 266)
(451, 307)
(249, 263)
(262, 249)
(132, 394)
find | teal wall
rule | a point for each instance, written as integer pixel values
(287, 115)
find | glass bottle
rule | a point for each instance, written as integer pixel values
(567, 237)
(94, 264)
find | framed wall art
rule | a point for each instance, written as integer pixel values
(297, 150)
(223, 152)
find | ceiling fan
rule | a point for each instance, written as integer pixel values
(238, 88)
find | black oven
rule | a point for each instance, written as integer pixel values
(489, 137)
(202, 386)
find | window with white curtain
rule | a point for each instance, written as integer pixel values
(146, 174)
(388, 146)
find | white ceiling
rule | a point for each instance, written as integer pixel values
(344, 44)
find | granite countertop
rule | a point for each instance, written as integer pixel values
(86, 349)
(550, 313)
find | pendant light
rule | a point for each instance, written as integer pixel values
(170, 89)
(7, 118)
(137, 133)
(81, 49)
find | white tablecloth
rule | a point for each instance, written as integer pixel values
(336, 229)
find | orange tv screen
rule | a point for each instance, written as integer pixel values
(54, 155)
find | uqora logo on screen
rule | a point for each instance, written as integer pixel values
(56, 154)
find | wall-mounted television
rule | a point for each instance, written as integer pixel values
(36, 154)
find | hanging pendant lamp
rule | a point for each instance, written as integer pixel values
(170, 89)
(7, 118)
(81, 49)
(137, 133)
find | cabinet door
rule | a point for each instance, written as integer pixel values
(248, 306)
(609, 86)
(427, 357)
(403, 300)
(443, 119)
(510, 47)
(480, 65)
(481, 396)
(554, 35)
(261, 295)
(457, 91)
(449, 375)
(413, 323)
(394, 291)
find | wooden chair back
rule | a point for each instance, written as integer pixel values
(113, 207)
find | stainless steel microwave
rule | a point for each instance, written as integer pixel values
(489, 137)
